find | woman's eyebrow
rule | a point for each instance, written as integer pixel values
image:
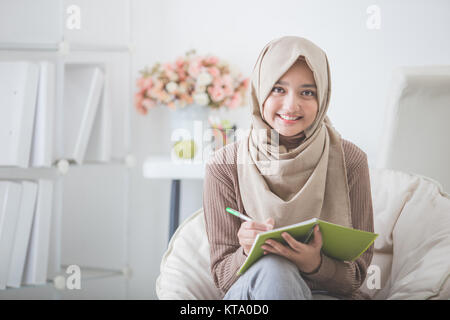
(306, 85)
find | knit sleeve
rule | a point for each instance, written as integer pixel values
(341, 277)
(226, 253)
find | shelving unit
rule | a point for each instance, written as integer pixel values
(103, 39)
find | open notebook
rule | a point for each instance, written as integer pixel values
(339, 242)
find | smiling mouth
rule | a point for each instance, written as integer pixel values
(290, 119)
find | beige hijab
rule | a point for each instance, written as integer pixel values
(309, 180)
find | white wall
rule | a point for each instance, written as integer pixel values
(413, 32)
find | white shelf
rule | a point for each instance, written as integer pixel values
(28, 173)
(12, 46)
(32, 173)
(88, 47)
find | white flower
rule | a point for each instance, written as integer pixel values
(204, 78)
(201, 99)
(171, 87)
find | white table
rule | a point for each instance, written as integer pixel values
(167, 167)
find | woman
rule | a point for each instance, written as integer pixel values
(311, 172)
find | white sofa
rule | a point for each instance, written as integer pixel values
(411, 215)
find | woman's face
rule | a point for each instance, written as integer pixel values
(293, 95)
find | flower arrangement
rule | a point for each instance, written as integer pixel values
(206, 81)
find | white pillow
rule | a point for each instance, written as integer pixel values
(421, 240)
(412, 217)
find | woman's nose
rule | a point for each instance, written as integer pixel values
(292, 103)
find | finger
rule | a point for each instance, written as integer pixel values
(268, 249)
(254, 225)
(280, 249)
(270, 223)
(317, 241)
(249, 233)
(294, 244)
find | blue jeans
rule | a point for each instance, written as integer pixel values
(270, 278)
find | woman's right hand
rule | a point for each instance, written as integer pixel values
(249, 230)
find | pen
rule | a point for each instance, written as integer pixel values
(238, 214)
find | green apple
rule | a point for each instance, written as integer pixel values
(185, 149)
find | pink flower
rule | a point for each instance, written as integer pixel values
(187, 98)
(179, 62)
(227, 83)
(195, 67)
(171, 105)
(181, 74)
(168, 67)
(142, 110)
(214, 72)
(147, 83)
(217, 82)
(216, 93)
(148, 103)
(144, 83)
(169, 70)
(211, 60)
(138, 97)
(139, 82)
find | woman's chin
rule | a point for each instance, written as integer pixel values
(289, 133)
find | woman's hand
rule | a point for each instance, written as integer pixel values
(307, 257)
(249, 230)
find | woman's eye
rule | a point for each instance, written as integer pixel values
(277, 89)
(309, 93)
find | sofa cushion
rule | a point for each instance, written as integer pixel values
(185, 265)
(412, 217)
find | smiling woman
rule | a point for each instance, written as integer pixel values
(312, 173)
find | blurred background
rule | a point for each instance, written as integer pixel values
(108, 215)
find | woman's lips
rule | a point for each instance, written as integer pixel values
(288, 121)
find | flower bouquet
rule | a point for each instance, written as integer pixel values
(192, 79)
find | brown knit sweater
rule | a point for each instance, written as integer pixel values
(221, 190)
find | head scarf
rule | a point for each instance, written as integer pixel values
(308, 181)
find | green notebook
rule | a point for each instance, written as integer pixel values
(339, 242)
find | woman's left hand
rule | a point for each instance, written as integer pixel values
(307, 257)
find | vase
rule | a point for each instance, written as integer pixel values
(187, 130)
(223, 127)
